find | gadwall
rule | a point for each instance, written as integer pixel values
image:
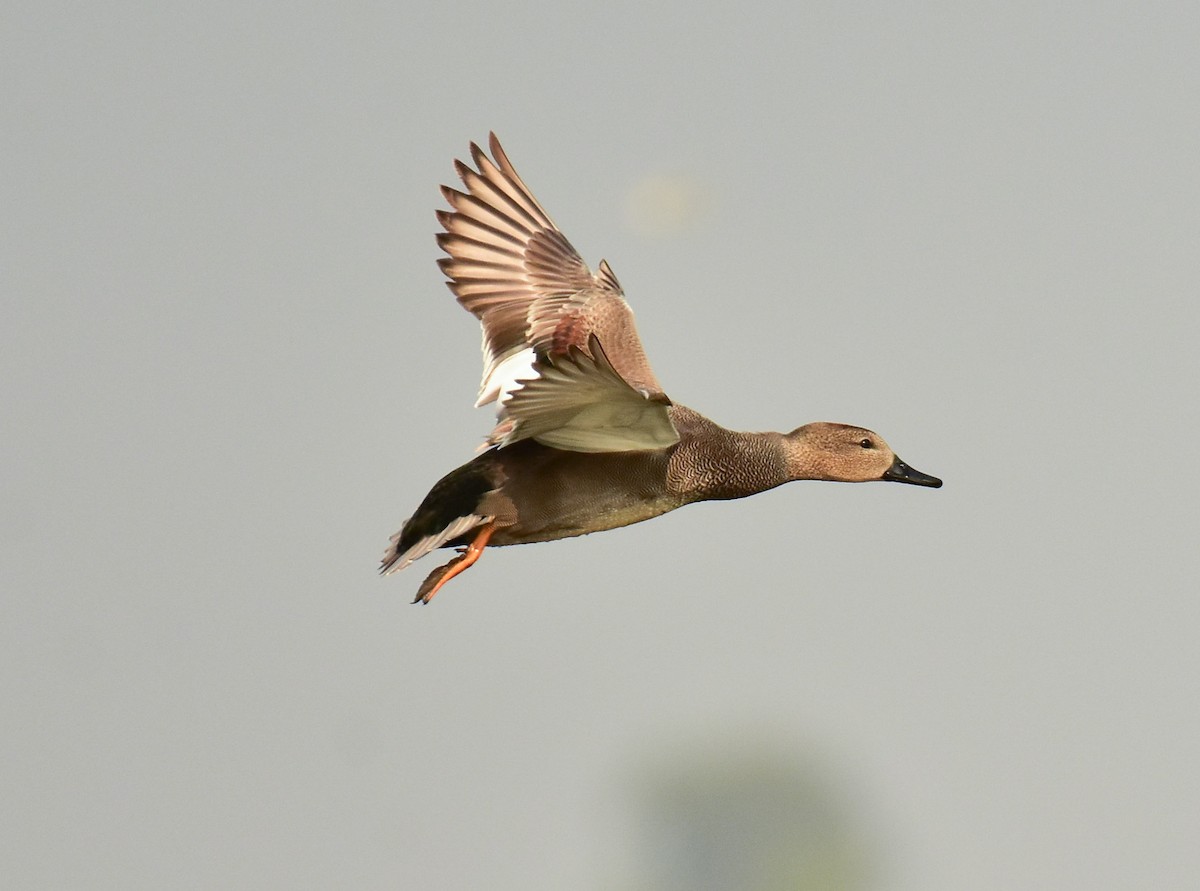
(586, 439)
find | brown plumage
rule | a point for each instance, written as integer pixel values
(586, 439)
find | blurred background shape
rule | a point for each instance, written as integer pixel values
(748, 815)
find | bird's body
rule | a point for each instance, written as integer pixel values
(539, 493)
(586, 438)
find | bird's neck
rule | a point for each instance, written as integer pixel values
(714, 463)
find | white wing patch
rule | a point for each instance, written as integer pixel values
(506, 376)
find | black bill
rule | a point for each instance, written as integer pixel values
(900, 472)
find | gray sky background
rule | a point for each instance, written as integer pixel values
(230, 370)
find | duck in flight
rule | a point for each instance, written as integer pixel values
(586, 439)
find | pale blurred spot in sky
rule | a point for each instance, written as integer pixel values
(663, 205)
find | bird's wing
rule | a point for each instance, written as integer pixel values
(581, 404)
(535, 297)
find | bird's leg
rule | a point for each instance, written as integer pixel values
(464, 561)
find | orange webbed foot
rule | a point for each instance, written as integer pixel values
(465, 560)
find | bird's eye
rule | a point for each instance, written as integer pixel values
(866, 444)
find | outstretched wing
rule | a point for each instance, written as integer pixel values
(540, 307)
(579, 403)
